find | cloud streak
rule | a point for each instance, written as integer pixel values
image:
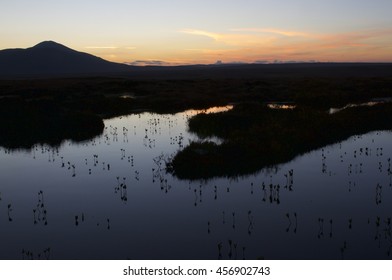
(109, 48)
(212, 35)
(229, 38)
(270, 44)
(101, 47)
(280, 32)
(197, 46)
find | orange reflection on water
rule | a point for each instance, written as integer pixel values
(369, 104)
(210, 110)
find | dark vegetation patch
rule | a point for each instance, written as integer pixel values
(51, 110)
(256, 137)
(25, 123)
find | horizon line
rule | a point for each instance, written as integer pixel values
(219, 62)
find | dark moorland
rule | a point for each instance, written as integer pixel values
(262, 137)
(51, 110)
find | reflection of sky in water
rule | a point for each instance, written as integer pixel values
(373, 102)
(367, 104)
(281, 106)
(158, 217)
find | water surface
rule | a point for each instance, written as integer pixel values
(110, 198)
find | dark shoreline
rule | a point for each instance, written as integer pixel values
(51, 110)
(225, 71)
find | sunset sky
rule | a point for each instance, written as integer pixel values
(200, 31)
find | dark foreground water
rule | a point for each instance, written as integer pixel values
(110, 198)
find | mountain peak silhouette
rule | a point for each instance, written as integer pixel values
(51, 59)
(49, 45)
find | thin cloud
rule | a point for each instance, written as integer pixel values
(212, 35)
(102, 47)
(362, 38)
(229, 38)
(109, 48)
(256, 44)
(287, 33)
(262, 44)
(206, 50)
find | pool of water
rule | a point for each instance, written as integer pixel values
(373, 102)
(110, 198)
(282, 106)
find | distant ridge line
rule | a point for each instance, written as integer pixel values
(49, 59)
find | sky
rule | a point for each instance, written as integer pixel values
(172, 32)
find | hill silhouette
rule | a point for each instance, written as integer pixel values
(49, 58)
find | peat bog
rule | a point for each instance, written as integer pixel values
(247, 182)
(255, 137)
(52, 110)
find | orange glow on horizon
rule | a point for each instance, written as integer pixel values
(178, 32)
(254, 45)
